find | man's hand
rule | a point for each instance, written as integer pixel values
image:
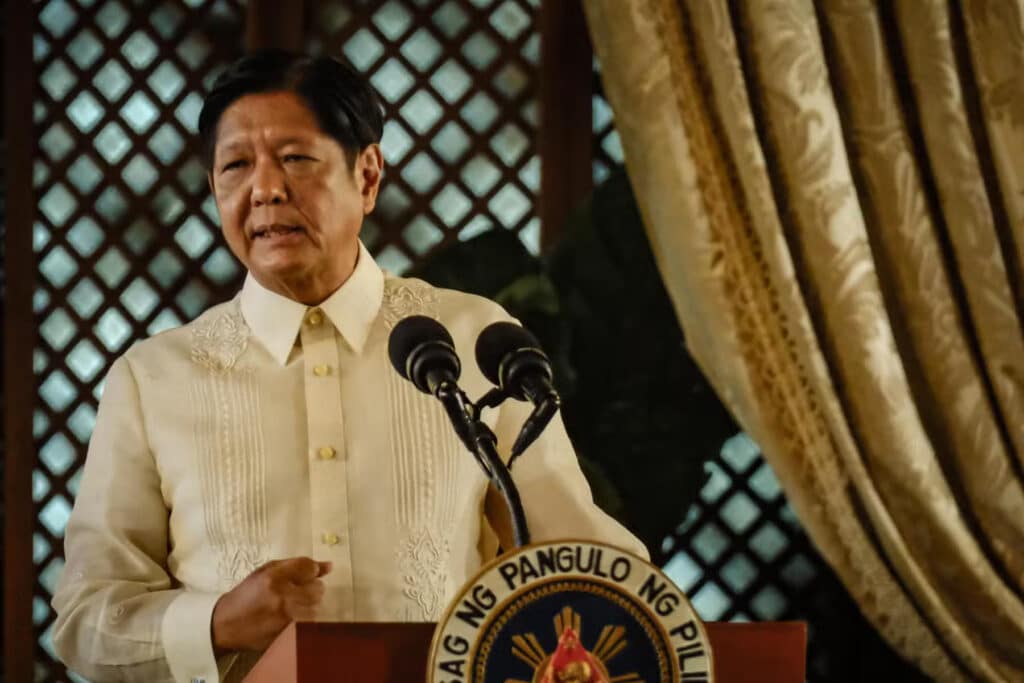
(251, 615)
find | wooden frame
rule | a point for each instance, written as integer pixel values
(275, 24)
(19, 339)
(566, 135)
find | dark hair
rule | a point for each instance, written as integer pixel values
(345, 104)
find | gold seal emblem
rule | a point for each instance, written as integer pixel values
(570, 612)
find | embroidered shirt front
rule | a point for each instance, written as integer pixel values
(266, 430)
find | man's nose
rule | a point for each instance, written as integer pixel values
(269, 185)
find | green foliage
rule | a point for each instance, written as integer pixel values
(641, 415)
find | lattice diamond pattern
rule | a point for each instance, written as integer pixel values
(124, 244)
(740, 554)
(459, 83)
(607, 149)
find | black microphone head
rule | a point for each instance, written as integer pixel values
(496, 342)
(504, 351)
(419, 344)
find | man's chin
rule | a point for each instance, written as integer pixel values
(282, 266)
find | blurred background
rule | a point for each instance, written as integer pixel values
(504, 177)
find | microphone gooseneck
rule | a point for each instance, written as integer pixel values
(423, 352)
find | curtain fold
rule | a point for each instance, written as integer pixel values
(995, 41)
(966, 205)
(829, 211)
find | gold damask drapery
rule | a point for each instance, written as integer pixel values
(834, 192)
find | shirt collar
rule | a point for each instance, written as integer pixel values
(352, 308)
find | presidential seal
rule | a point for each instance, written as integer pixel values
(570, 612)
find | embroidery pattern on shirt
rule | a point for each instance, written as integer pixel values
(218, 343)
(403, 298)
(230, 452)
(117, 614)
(425, 465)
(422, 559)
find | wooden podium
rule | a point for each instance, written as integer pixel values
(397, 653)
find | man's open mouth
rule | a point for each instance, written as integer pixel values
(275, 231)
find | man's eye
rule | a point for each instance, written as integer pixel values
(238, 163)
(296, 157)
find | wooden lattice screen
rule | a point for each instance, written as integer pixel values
(459, 83)
(126, 233)
(606, 148)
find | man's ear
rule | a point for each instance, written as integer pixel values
(369, 172)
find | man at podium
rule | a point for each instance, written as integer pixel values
(264, 463)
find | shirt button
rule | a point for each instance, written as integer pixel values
(315, 317)
(330, 539)
(322, 370)
(326, 453)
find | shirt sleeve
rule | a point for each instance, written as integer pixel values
(555, 494)
(119, 614)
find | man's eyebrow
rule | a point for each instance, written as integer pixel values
(236, 145)
(231, 146)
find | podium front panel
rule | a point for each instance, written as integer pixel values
(320, 652)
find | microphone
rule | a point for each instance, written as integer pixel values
(422, 351)
(511, 358)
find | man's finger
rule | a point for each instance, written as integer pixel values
(297, 569)
(310, 593)
(267, 566)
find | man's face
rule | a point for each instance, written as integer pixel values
(290, 206)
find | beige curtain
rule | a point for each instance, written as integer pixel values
(834, 192)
